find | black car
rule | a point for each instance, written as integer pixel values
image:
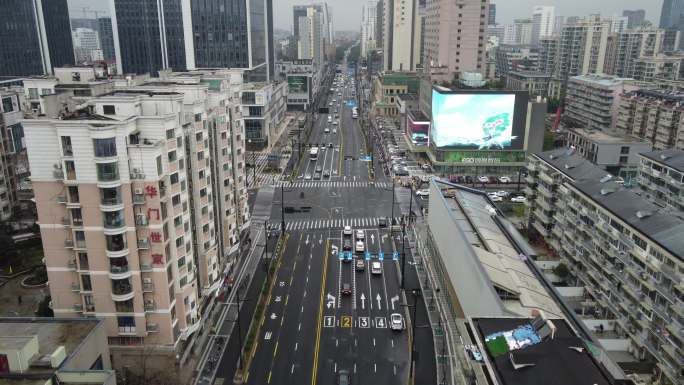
(326, 174)
(382, 222)
(346, 244)
(346, 289)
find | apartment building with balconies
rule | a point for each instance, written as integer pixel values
(653, 114)
(13, 169)
(626, 252)
(593, 100)
(115, 207)
(661, 176)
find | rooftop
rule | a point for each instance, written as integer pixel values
(671, 158)
(505, 269)
(600, 79)
(603, 137)
(564, 359)
(417, 115)
(572, 165)
(530, 74)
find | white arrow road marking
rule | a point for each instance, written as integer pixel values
(273, 316)
(363, 301)
(372, 238)
(267, 336)
(307, 239)
(378, 298)
(277, 298)
(320, 240)
(331, 301)
(394, 299)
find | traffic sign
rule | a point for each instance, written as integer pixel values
(395, 256)
(368, 255)
(381, 256)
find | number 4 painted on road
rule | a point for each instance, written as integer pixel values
(380, 322)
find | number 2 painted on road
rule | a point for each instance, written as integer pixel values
(346, 321)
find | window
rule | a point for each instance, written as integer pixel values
(67, 150)
(179, 241)
(124, 306)
(83, 261)
(174, 178)
(624, 159)
(176, 200)
(624, 150)
(170, 133)
(108, 171)
(116, 242)
(108, 109)
(198, 137)
(181, 262)
(113, 219)
(110, 196)
(160, 170)
(33, 93)
(177, 221)
(86, 284)
(104, 147)
(172, 156)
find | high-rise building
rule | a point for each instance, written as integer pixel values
(313, 32)
(141, 214)
(35, 37)
(455, 37)
(582, 48)
(671, 16)
(641, 43)
(11, 150)
(548, 52)
(523, 29)
(654, 115)
(491, 19)
(152, 35)
(104, 28)
(618, 23)
(368, 28)
(543, 19)
(86, 41)
(623, 250)
(662, 177)
(379, 23)
(593, 100)
(402, 35)
(635, 18)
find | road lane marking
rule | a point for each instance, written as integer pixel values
(275, 351)
(296, 346)
(269, 377)
(375, 367)
(346, 321)
(314, 368)
(292, 370)
(373, 342)
(329, 321)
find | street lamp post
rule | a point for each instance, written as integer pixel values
(416, 293)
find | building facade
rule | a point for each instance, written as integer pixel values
(455, 37)
(86, 45)
(655, 115)
(582, 47)
(535, 83)
(632, 45)
(36, 37)
(402, 35)
(661, 176)
(670, 16)
(635, 18)
(622, 249)
(13, 167)
(593, 101)
(142, 203)
(368, 28)
(543, 18)
(104, 29)
(153, 35)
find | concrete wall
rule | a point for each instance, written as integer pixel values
(536, 113)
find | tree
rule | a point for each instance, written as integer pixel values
(549, 140)
(562, 271)
(552, 105)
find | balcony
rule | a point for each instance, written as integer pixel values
(140, 220)
(119, 271)
(127, 330)
(148, 287)
(150, 305)
(111, 204)
(122, 290)
(138, 199)
(152, 328)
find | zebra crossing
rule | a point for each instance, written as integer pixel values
(262, 178)
(313, 224)
(333, 184)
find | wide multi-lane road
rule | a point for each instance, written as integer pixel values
(311, 329)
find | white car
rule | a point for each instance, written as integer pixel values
(504, 179)
(483, 179)
(376, 268)
(496, 198)
(330, 104)
(425, 167)
(347, 230)
(396, 322)
(360, 247)
(423, 193)
(334, 130)
(327, 130)
(502, 194)
(519, 199)
(307, 176)
(360, 234)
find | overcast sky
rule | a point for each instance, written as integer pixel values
(347, 13)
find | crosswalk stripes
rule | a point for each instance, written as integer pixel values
(334, 184)
(319, 224)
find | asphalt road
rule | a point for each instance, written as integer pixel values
(311, 330)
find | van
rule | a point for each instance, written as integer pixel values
(376, 268)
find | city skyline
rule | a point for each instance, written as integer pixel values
(348, 18)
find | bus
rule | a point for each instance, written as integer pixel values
(313, 154)
(355, 112)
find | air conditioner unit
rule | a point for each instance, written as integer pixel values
(147, 280)
(138, 191)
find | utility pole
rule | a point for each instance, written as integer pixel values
(392, 218)
(282, 208)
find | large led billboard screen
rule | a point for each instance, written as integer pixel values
(479, 120)
(298, 84)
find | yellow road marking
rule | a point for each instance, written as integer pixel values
(269, 377)
(275, 351)
(320, 314)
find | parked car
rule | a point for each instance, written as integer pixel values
(496, 198)
(360, 234)
(360, 265)
(426, 167)
(519, 199)
(468, 179)
(307, 176)
(423, 193)
(326, 174)
(382, 222)
(347, 230)
(360, 247)
(346, 245)
(343, 377)
(396, 322)
(483, 179)
(504, 179)
(502, 193)
(317, 176)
